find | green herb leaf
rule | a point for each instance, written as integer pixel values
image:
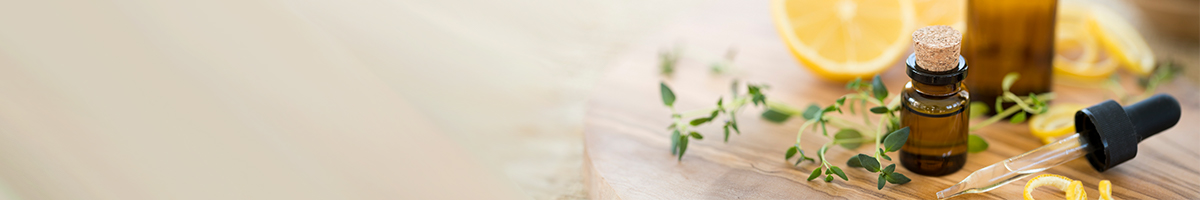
(976, 144)
(720, 104)
(853, 85)
(699, 121)
(881, 181)
(802, 157)
(671, 127)
(879, 110)
(879, 90)
(868, 162)
(893, 124)
(1041, 105)
(883, 154)
(815, 173)
(823, 130)
(897, 178)
(854, 162)
(756, 95)
(1017, 118)
(775, 115)
(683, 143)
(674, 142)
(668, 97)
(1009, 80)
(811, 112)
(896, 139)
(726, 128)
(889, 169)
(841, 101)
(846, 135)
(977, 109)
(667, 60)
(828, 178)
(1036, 103)
(830, 108)
(790, 152)
(697, 135)
(839, 173)
(733, 124)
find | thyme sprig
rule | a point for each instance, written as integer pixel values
(667, 61)
(1163, 73)
(1024, 107)
(887, 134)
(681, 132)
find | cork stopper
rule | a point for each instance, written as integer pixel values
(937, 48)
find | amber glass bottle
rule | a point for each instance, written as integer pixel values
(935, 104)
(1009, 36)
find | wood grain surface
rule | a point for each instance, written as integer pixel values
(627, 149)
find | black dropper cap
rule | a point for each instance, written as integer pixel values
(1112, 132)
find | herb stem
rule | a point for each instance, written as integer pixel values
(698, 112)
(821, 154)
(1020, 103)
(995, 118)
(879, 136)
(1008, 111)
(783, 107)
(866, 119)
(736, 104)
(802, 128)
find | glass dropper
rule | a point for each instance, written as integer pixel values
(1016, 168)
(1106, 133)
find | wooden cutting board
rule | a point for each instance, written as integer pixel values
(627, 148)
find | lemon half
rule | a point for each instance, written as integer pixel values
(845, 39)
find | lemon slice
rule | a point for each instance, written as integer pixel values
(1058, 121)
(1075, 191)
(1077, 55)
(1052, 180)
(1073, 188)
(941, 12)
(845, 39)
(1105, 190)
(1119, 37)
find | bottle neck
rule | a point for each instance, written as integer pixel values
(937, 90)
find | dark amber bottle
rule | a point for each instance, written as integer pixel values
(934, 104)
(1006, 36)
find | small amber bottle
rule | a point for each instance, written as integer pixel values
(935, 104)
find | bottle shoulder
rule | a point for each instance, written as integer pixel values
(916, 101)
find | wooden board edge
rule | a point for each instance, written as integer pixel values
(595, 184)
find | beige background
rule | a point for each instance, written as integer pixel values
(298, 99)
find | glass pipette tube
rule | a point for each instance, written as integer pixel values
(1018, 167)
